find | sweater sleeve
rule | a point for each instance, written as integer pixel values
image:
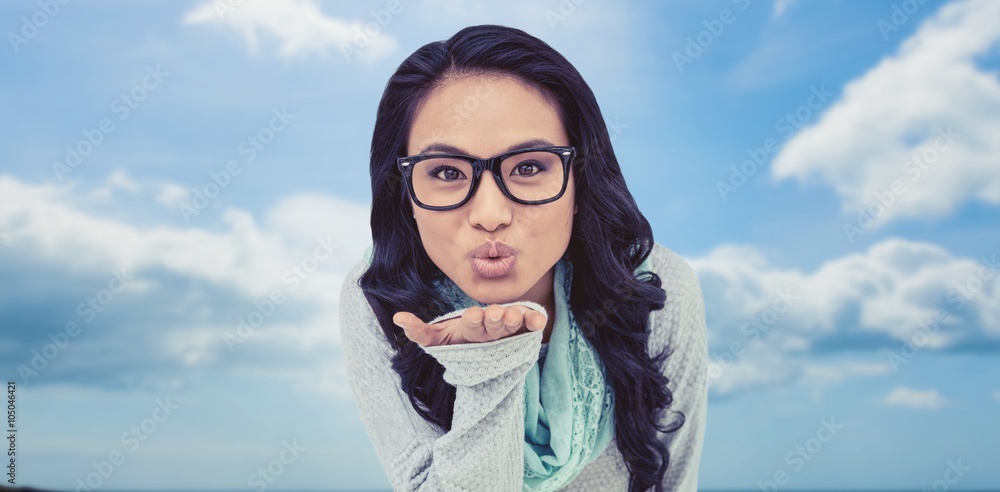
(484, 450)
(681, 326)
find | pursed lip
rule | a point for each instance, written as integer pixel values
(492, 249)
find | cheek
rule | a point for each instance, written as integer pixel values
(437, 231)
(551, 223)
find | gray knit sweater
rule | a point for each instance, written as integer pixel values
(484, 450)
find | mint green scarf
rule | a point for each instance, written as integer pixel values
(568, 414)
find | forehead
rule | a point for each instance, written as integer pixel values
(483, 115)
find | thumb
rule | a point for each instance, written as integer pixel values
(404, 320)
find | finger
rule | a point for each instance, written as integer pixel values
(412, 326)
(534, 320)
(513, 319)
(494, 321)
(405, 319)
(471, 326)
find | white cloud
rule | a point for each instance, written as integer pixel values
(836, 372)
(299, 26)
(816, 376)
(307, 215)
(193, 283)
(760, 368)
(46, 222)
(886, 126)
(171, 195)
(117, 180)
(889, 289)
(166, 193)
(768, 324)
(765, 366)
(913, 398)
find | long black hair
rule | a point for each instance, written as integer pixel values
(610, 239)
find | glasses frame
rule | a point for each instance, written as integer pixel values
(405, 165)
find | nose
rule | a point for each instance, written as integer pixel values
(489, 208)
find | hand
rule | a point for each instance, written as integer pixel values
(475, 325)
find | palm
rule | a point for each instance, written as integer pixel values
(475, 325)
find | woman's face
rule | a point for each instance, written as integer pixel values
(482, 116)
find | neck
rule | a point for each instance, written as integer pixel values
(551, 309)
(543, 294)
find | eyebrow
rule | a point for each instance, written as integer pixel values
(450, 149)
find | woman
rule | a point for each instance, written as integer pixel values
(502, 227)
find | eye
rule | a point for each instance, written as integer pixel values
(524, 169)
(447, 173)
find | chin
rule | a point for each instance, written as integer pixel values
(486, 291)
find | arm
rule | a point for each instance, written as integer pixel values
(484, 450)
(681, 326)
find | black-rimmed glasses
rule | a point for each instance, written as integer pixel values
(447, 181)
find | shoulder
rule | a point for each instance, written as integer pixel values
(681, 321)
(350, 291)
(676, 274)
(357, 318)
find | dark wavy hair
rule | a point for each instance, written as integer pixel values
(610, 239)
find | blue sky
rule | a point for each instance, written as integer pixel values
(848, 272)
